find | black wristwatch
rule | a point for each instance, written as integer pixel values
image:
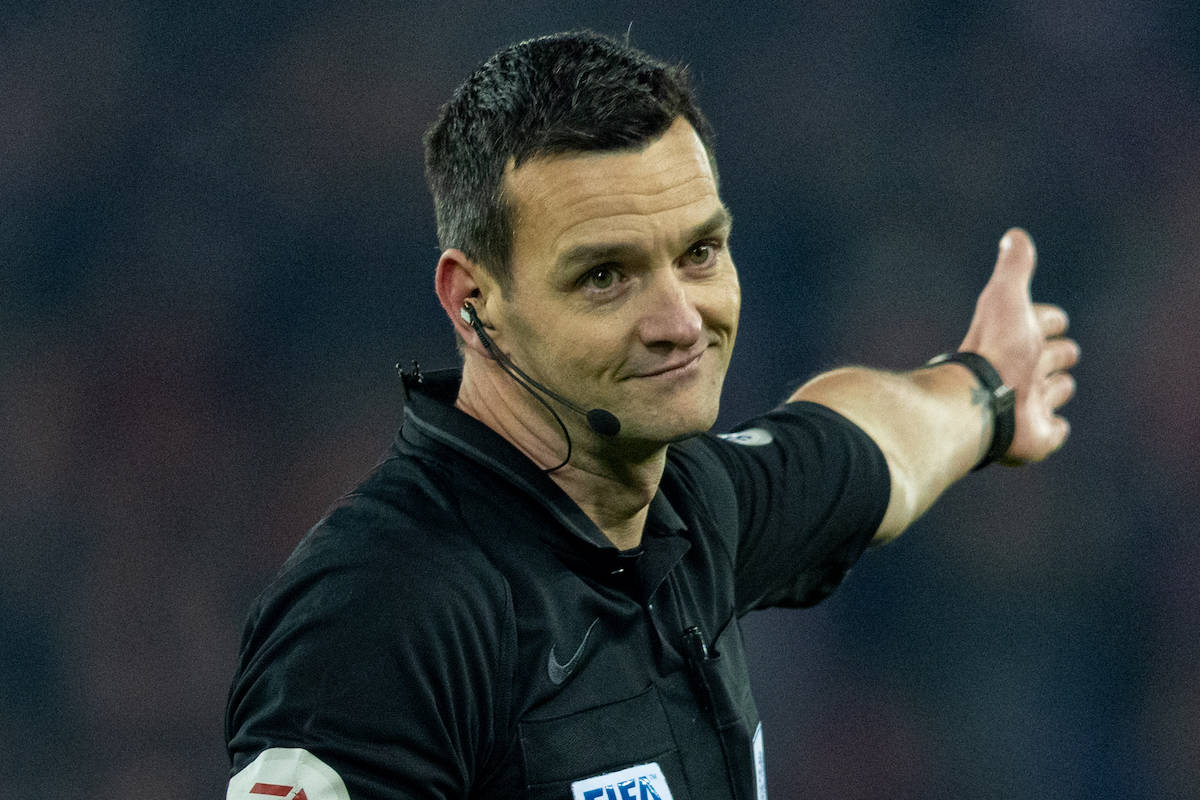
(1004, 401)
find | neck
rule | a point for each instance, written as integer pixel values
(609, 481)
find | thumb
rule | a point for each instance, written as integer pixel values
(1015, 261)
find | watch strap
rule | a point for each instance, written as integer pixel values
(1003, 400)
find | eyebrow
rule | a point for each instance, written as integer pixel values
(588, 254)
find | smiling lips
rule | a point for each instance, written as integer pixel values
(677, 366)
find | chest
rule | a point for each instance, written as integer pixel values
(630, 681)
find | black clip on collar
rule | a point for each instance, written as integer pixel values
(410, 378)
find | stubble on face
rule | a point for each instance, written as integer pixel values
(654, 346)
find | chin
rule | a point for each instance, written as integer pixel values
(675, 429)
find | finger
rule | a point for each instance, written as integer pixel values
(1058, 355)
(1060, 388)
(1051, 319)
(1052, 433)
(1015, 261)
(1060, 430)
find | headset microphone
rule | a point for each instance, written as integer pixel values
(601, 421)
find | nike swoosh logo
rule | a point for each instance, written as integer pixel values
(560, 672)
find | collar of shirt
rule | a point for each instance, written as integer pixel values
(432, 422)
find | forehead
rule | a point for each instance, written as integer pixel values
(562, 201)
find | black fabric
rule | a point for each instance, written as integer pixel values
(457, 628)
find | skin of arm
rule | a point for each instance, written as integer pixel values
(934, 424)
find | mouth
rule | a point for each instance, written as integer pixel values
(676, 367)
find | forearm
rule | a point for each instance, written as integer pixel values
(933, 425)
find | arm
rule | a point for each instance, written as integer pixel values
(363, 676)
(933, 425)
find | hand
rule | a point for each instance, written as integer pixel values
(1025, 343)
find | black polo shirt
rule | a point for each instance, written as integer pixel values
(457, 627)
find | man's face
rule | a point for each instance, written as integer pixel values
(624, 294)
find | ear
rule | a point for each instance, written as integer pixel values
(459, 280)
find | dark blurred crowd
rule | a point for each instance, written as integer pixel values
(215, 245)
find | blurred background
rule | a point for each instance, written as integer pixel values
(216, 242)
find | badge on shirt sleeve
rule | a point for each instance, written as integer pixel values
(751, 437)
(644, 782)
(287, 773)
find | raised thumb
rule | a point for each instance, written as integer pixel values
(1015, 261)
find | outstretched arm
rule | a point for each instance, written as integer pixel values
(934, 424)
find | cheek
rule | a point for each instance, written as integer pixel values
(725, 305)
(568, 349)
(735, 292)
(592, 350)
(735, 304)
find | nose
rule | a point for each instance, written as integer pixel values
(670, 318)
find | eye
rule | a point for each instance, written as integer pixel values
(602, 277)
(700, 254)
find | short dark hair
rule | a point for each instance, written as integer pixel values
(568, 92)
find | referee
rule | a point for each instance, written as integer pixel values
(538, 593)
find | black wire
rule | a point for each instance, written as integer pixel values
(524, 381)
(512, 370)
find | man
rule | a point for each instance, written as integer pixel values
(538, 593)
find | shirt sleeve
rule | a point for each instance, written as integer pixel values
(387, 671)
(805, 489)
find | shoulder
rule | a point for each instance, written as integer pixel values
(388, 562)
(388, 623)
(392, 559)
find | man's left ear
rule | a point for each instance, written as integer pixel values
(460, 280)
